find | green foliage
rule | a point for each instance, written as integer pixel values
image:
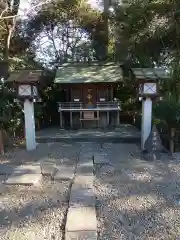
(147, 23)
(168, 111)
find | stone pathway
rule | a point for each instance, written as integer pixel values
(30, 211)
(90, 191)
(25, 175)
(81, 218)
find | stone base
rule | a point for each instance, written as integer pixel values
(152, 156)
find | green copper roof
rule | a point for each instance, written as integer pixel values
(89, 73)
(150, 73)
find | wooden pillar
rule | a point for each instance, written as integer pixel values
(118, 120)
(71, 123)
(80, 118)
(112, 97)
(98, 119)
(107, 118)
(61, 122)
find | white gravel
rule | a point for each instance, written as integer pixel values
(137, 199)
(34, 212)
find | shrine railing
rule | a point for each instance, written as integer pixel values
(79, 106)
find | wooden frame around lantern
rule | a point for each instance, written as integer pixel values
(31, 96)
(25, 77)
(141, 82)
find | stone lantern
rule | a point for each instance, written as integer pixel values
(147, 91)
(25, 82)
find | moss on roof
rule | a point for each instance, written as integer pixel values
(89, 73)
(150, 73)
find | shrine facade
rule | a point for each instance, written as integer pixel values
(89, 95)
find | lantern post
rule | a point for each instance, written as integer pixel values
(25, 82)
(147, 92)
(28, 93)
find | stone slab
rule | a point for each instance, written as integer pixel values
(5, 169)
(81, 219)
(85, 163)
(82, 197)
(24, 179)
(48, 169)
(84, 181)
(81, 235)
(27, 169)
(64, 173)
(84, 172)
(101, 158)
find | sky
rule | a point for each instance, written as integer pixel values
(25, 4)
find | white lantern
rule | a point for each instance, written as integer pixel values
(148, 89)
(27, 91)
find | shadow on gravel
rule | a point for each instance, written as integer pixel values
(138, 199)
(55, 153)
(35, 210)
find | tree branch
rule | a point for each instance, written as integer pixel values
(17, 15)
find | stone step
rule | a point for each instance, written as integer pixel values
(24, 179)
(85, 168)
(6, 169)
(64, 173)
(82, 196)
(48, 169)
(84, 181)
(81, 219)
(101, 158)
(25, 175)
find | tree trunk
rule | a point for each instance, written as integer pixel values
(12, 11)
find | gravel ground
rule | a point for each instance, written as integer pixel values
(137, 199)
(34, 212)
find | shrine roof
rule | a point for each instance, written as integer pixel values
(89, 73)
(150, 73)
(25, 76)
